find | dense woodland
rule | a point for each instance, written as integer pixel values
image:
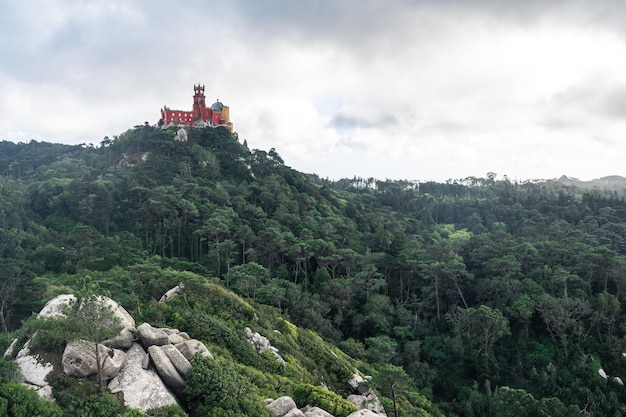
(478, 296)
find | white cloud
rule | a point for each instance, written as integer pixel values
(415, 90)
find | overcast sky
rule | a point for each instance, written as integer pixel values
(399, 89)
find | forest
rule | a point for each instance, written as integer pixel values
(478, 296)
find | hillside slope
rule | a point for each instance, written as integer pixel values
(476, 293)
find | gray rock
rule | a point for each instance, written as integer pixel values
(372, 403)
(184, 335)
(177, 289)
(113, 363)
(181, 135)
(125, 320)
(145, 364)
(294, 413)
(166, 369)
(79, 359)
(124, 340)
(33, 372)
(357, 400)
(10, 353)
(192, 347)
(363, 413)
(150, 336)
(181, 363)
(356, 384)
(282, 406)
(175, 339)
(143, 389)
(54, 307)
(317, 412)
(262, 343)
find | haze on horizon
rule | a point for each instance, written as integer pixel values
(410, 89)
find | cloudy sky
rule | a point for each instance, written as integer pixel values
(401, 89)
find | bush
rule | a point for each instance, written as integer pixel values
(167, 411)
(215, 388)
(16, 400)
(213, 330)
(306, 394)
(105, 405)
(334, 368)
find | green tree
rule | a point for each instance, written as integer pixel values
(368, 278)
(510, 402)
(482, 326)
(90, 318)
(14, 278)
(381, 349)
(391, 381)
(248, 278)
(216, 228)
(567, 321)
(608, 308)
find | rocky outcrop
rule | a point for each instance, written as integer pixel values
(358, 400)
(179, 361)
(174, 291)
(171, 353)
(124, 340)
(33, 372)
(147, 380)
(54, 308)
(79, 359)
(357, 384)
(283, 405)
(166, 369)
(181, 135)
(192, 347)
(151, 336)
(286, 407)
(122, 318)
(367, 402)
(32, 368)
(11, 353)
(363, 413)
(141, 386)
(316, 412)
(261, 344)
(294, 413)
(364, 397)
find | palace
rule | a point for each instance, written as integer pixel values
(201, 115)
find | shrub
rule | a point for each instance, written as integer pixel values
(105, 405)
(306, 394)
(215, 388)
(17, 400)
(334, 368)
(167, 411)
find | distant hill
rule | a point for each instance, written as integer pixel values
(610, 183)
